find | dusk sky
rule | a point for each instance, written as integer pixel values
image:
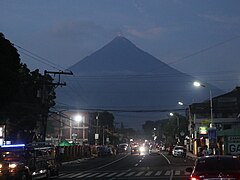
(201, 37)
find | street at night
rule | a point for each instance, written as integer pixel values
(127, 166)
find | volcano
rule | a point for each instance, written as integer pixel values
(134, 85)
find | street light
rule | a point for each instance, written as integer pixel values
(180, 103)
(171, 114)
(198, 84)
(177, 118)
(80, 118)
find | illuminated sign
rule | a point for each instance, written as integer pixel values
(13, 145)
(203, 130)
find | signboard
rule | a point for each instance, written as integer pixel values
(203, 130)
(233, 145)
(96, 136)
(212, 136)
(234, 148)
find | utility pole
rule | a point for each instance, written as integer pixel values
(44, 98)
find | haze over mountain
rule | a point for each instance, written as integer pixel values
(122, 77)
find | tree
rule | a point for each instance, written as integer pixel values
(21, 109)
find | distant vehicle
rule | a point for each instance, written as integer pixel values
(28, 162)
(104, 151)
(143, 150)
(215, 167)
(154, 149)
(122, 147)
(135, 148)
(179, 151)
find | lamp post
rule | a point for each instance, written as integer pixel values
(80, 118)
(198, 84)
(177, 118)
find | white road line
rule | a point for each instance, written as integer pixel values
(167, 173)
(101, 175)
(83, 175)
(112, 174)
(149, 173)
(109, 163)
(171, 175)
(121, 174)
(130, 174)
(75, 174)
(140, 173)
(64, 175)
(177, 173)
(93, 175)
(166, 158)
(158, 173)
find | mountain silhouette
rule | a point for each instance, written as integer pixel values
(134, 85)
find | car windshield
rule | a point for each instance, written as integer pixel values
(218, 164)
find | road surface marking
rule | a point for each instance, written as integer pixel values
(158, 173)
(167, 173)
(93, 175)
(149, 173)
(83, 175)
(112, 174)
(121, 174)
(130, 174)
(177, 173)
(140, 173)
(166, 158)
(101, 175)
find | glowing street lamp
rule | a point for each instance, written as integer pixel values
(78, 118)
(180, 103)
(198, 84)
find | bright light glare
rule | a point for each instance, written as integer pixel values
(142, 149)
(197, 84)
(171, 114)
(180, 103)
(12, 166)
(78, 118)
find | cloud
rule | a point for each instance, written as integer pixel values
(150, 33)
(222, 19)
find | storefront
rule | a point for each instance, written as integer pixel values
(229, 141)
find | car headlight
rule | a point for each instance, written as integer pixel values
(142, 148)
(12, 166)
(1, 166)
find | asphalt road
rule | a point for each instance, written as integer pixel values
(127, 166)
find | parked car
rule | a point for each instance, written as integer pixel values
(179, 151)
(215, 167)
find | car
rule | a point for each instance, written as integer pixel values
(122, 147)
(224, 167)
(179, 151)
(135, 150)
(154, 149)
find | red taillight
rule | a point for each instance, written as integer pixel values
(194, 178)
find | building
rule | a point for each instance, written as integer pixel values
(225, 134)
